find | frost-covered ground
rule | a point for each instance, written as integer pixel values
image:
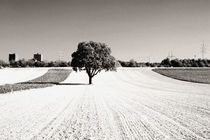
(15, 75)
(128, 104)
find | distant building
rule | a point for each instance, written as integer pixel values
(13, 57)
(38, 57)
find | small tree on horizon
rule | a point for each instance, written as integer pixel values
(93, 57)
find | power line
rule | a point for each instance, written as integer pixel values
(203, 50)
(170, 55)
(61, 55)
(149, 59)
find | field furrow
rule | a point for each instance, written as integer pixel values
(130, 104)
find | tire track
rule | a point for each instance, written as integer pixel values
(188, 116)
(50, 128)
(162, 120)
(132, 126)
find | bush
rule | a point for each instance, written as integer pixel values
(3, 64)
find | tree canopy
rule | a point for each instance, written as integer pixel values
(93, 57)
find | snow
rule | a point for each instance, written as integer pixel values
(15, 75)
(127, 104)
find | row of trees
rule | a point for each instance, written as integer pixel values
(133, 63)
(169, 63)
(34, 63)
(185, 63)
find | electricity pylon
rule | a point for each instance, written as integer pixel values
(203, 50)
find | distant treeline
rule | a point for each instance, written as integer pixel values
(185, 63)
(169, 63)
(132, 63)
(34, 63)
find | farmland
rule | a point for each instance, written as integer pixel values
(50, 78)
(199, 75)
(132, 103)
(17, 75)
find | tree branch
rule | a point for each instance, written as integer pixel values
(88, 71)
(96, 72)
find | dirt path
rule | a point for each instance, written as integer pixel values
(128, 104)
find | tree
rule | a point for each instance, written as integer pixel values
(3, 64)
(39, 64)
(62, 64)
(14, 64)
(22, 63)
(30, 63)
(176, 63)
(201, 63)
(93, 57)
(132, 63)
(166, 62)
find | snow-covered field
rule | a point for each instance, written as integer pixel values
(128, 104)
(15, 75)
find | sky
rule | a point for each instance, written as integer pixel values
(144, 30)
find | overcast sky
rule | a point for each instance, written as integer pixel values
(136, 29)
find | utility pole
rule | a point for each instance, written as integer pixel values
(61, 54)
(170, 55)
(203, 50)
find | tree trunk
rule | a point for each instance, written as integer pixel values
(90, 80)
